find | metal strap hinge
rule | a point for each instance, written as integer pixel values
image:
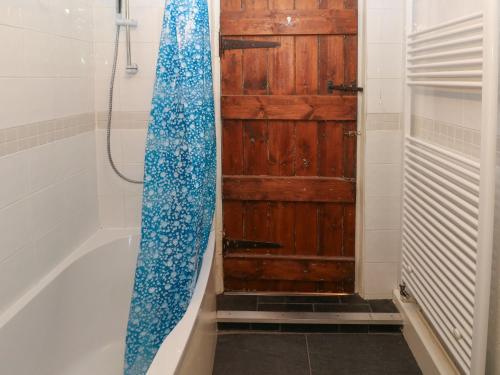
(229, 44)
(229, 243)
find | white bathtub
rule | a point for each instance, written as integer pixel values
(73, 322)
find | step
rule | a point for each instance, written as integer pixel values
(292, 317)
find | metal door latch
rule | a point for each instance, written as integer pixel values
(345, 88)
(352, 133)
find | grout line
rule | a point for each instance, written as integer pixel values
(308, 355)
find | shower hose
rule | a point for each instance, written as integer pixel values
(110, 114)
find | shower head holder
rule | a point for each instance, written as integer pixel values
(120, 21)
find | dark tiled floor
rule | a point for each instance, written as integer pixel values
(314, 354)
(349, 303)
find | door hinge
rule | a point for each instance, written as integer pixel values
(345, 88)
(352, 133)
(229, 44)
(229, 243)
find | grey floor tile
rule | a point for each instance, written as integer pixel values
(312, 299)
(352, 298)
(261, 354)
(360, 354)
(383, 306)
(236, 302)
(271, 299)
(285, 307)
(341, 307)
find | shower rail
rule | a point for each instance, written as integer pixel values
(448, 198)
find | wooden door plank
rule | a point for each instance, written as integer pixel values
(233, 219)
(230, 5)
(331, 61)
(255, 147)
(350, 146)
(282, 67)
(306, 228)
(255, 70)
(289, 107)
(306, 140)
(351, 59)
(331, 149)
(349, 230)
(306, 65)
(288, 189)
(331, 230)
(255, 4)
(232, 144)
(292, 270)
(256, 221)
(282, 226)
(281, 4)
(232, 78)
(289, 22)
(296, 257)
(306, 4)
(351, 4)
(281, 148)
(331, 4)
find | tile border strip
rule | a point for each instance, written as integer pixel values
(27, 136)
(131, 120)
(454, 137)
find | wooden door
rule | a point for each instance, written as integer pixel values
(289, 145)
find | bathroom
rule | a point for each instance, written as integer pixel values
(333, 162)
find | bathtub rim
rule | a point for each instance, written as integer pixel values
(101, 237)
(169, 357)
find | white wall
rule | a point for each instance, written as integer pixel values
(120, 202)
(383, 148)
(48, 197)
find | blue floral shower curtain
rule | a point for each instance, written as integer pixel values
(179, 187)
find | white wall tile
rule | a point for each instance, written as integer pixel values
(380, 278)
(111, 211)
(14, 172)
(17, 274)
(382, 246)
(15, 225)
(133, 210)
(385, 60)
(384, 95)
(10, 12)
(383, 180)
(48, 210)
(43, 167)
(383, 213)
(133, 146)
(384, 147)
(384, 25)
(12, 61)
(48, 194)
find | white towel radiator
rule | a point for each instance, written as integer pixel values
(448, 197)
